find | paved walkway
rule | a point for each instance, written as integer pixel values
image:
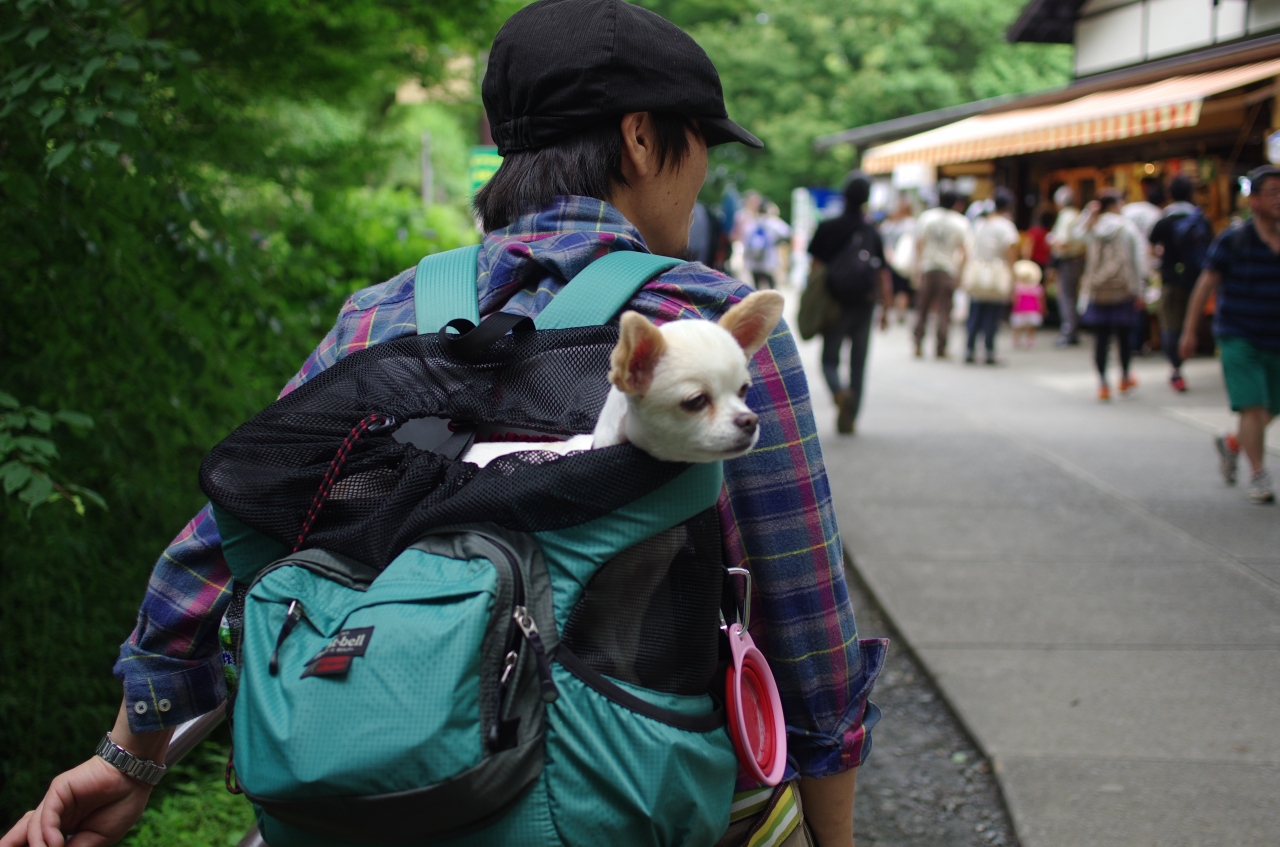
(1100, 610)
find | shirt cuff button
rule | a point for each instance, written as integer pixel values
(140, 707)
(163, 705)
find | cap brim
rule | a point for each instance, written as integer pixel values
(722, 131)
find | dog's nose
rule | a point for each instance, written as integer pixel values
(747, 421)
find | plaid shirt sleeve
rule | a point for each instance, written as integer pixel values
(779, 522)
(171, 665)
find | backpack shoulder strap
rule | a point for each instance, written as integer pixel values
(444, 288)
(601, 289)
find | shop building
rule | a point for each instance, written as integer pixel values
(1162, 87)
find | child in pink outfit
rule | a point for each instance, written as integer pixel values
(1028, 303)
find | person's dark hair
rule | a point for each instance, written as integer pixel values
(1181, 188)
(1048, 218)
(1259, 175)
(1108, 200)
(948, 199)
(588, 164)
(1003, 199)
(857, 190)
(1153, 191)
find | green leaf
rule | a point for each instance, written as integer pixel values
(88, 117)
(91, 67)
(53, 83)
(16, 420)
(78, 420)
(126, 117)
(109, 147)
(37, 490)
(40, 421)
(89, 494)
(57, 157)
(36, 35)
(51, 117)
(34, 449)
(15, 475)
(8, 401)
(128, 63)
(6, 37)
(189, 56)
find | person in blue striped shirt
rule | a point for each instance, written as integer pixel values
(1243, 268)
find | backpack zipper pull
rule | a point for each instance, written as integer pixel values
(508, 667)
(529, 627)
(291, 619)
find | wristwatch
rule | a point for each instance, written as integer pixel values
(146, 772)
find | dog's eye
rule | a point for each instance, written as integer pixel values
(742, 392)
(696, 403)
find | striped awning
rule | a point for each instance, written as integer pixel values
(1173, 103)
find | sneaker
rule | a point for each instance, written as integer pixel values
(1104, 392)
(1260, 488)
(943, 356)
(1228, 459)
(969, 359)
(1178, 384)
(1127, 384)
(992, 360)
(919, 351)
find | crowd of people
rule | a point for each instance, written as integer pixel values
(1114, 268)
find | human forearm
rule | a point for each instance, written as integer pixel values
(828, 807)
(1195, 309)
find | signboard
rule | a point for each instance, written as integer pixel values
(482, 164)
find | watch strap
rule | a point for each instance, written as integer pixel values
(143, 770)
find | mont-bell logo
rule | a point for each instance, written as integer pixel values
(335, 659)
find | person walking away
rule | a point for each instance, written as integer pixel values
(1243, 268)
(1180, 240)
(744, 219)
(849, 255)
(943, 242)
(988, 276)
(1144, 214)
(1112, 284)
(898, 234)
(575, 184)
(1028, 303)
(1068, 260)
(761, 246)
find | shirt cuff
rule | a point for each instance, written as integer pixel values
(819, 754)
(161, 692)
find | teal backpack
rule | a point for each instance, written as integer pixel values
(524, 654)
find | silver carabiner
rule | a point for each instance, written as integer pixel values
(744, 614)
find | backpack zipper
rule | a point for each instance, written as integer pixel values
(291, 618)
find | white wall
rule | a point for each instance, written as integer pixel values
(1177, 25)
(1116, 33)
(1109, 39)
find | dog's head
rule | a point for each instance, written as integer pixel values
(686, 382)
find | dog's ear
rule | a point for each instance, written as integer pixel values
(752, 319)
(640, 346)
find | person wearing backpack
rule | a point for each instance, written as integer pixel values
(1181, 240)
(1111, 285)
(849, 255)
(604, 141)
(1242, 268)
(761, 246)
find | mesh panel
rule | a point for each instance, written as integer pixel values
(650, 615)
(267, 471)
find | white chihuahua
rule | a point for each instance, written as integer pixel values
(678, 390)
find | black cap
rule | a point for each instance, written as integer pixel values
(1261, 173)
(560, 66)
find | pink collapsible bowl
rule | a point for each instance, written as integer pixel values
(756, 724)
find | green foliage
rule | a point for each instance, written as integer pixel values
(192, 807)
(27, 454)
(794, 70)
(188, 193)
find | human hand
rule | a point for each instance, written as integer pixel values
(91, 805)
(1092, 207)
(884, 320)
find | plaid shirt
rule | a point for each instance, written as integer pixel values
(775, 511)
